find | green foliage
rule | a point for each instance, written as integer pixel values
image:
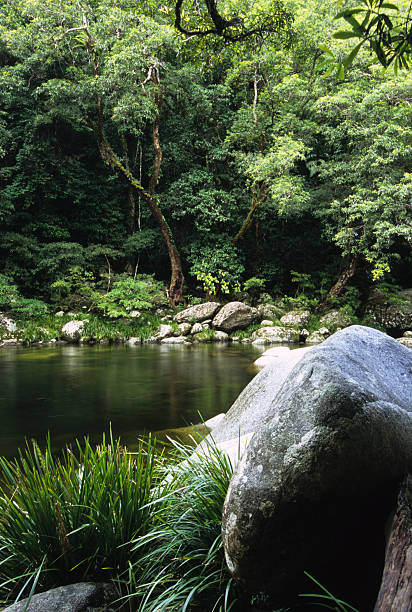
(218, 269)
(184, 567)
(80, 527)
(254, 284)
(326, 599)
(12, 301)
(258, 139)
(384, 26)
(96, 328)
(128, 294)
(75, 290)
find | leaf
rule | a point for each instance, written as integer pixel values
(389, 5)
(349, 58)
(353, 22)
(347, 12)
(326, 49)
(341, 72)
(344, 34)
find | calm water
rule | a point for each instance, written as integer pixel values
(72, 391)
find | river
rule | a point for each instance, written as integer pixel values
(72, 391)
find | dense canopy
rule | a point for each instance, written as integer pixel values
(132, 142)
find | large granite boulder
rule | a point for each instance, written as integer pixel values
(234, 315)
(80, 597)
(199, 312)
(314, 488)
(252, 405)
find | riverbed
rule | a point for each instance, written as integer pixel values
(72, 391)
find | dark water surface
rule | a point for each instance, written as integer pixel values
(71, 391)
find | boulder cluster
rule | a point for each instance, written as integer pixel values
(212, 322)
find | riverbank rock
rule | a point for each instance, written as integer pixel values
(336, 319)
(234, 315)
(250, 408)
(406, 340)
(394, 314)
(315, 485)
(174, 340)
(318, 336)
(7, 324)
(73, 331)
(296, 318)
(269, 311)
(199, 312)
(275, 333)
(164, 332)
(80, 597)
(279, 354)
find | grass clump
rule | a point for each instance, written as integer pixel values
(75, 516)
(184, 566)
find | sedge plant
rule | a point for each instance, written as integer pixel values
(74, 515)
(183, 566)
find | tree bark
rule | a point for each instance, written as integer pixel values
(110, 158)
(395, 594)
(258, 196)
(342, 281)
(177, 278)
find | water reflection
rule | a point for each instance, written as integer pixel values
(72, 391)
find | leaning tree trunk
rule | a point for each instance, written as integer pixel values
(258, 196)
(342, 281)
(177, 278)
(109, 156)
(395, 594)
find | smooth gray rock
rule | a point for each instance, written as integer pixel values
(199, 312)
(164, 332)
(196, 328)
(319, 477)
(174, 340)
(80, 597)
(234, 315)
(247, 412)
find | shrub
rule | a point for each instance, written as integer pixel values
(12, 301)
(128, 294)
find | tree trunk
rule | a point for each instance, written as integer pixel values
(109, 156)
(258, 196)
(177, 278)
(342, 281)
(395, 594)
